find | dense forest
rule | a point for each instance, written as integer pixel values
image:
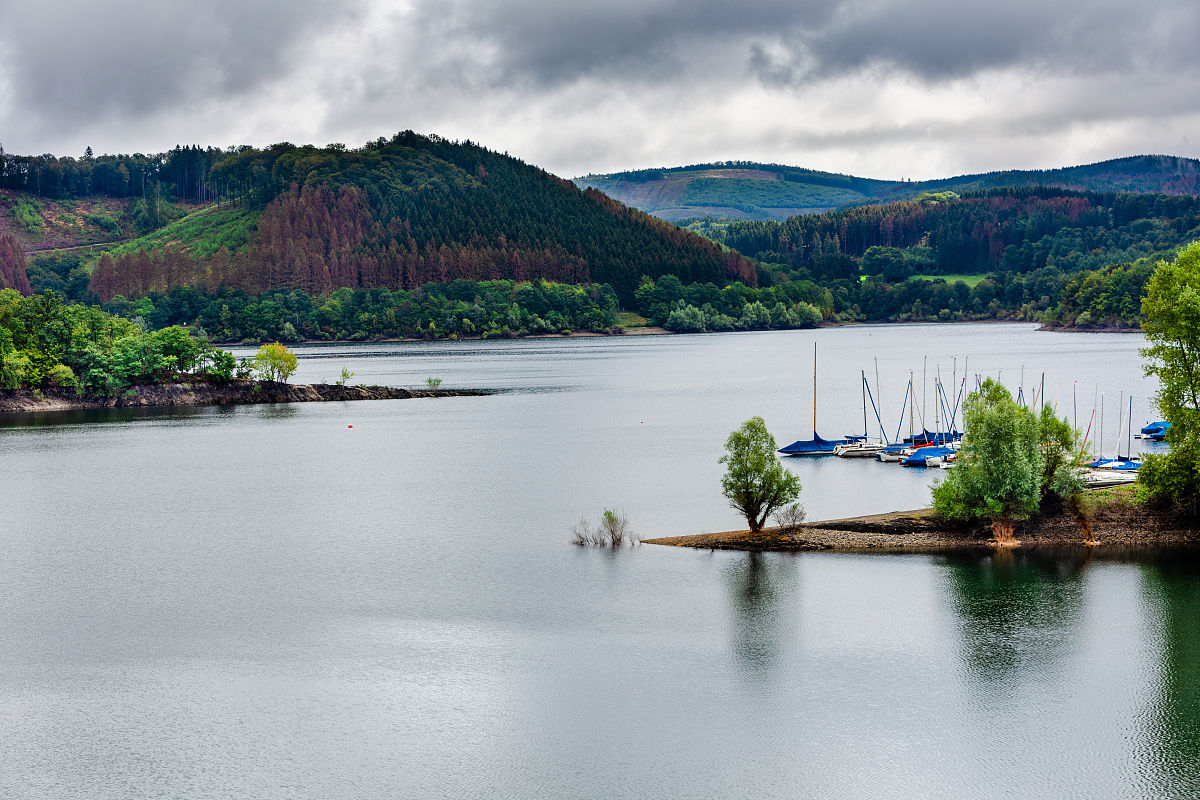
(398, 214)
(420, 236)
(1109, 298)
(458, 309)
(1005, 230)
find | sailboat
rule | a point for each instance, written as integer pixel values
(815, 446)
(864, 448)
(894, 453)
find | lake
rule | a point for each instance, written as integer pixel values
(263, 602)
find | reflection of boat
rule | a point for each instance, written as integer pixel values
(815, 446)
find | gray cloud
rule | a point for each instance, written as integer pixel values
(74, 63)
(888, 87)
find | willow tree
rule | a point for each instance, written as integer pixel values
(1012, 462)
(1172, 327)
(755, 483)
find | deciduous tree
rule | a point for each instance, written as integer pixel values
(275, 362)
(1172, 326)
(755, 483)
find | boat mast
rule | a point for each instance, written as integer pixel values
(863, 374)
(924, 391)
(937, 388)
(1120, 420)
(910, 404)
(1129, 430)
(814, 390)
(879, 391)
(1100, 447)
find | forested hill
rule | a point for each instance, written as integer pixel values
(999, 230)
(395, 213)
(747, 190)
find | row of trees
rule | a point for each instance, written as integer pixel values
(460, 308)
(182, 173)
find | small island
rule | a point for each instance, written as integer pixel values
(57, 356)
(1119, 524)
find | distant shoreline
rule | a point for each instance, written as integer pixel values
(201, 393)
(1118, 525)
(642, 330)
(653, 330)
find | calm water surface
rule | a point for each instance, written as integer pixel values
(262, 602)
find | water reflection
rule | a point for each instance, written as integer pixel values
(97, 416)
(1175, 719)
(1013, 608)
(757, 586)
(276, 411)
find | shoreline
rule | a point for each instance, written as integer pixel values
(653, 330)
(199, 393)
(640, 330)
(1118, 525)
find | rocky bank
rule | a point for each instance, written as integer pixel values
(215, 394)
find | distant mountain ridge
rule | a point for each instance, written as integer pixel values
(750, 190)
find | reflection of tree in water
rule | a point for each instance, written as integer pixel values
(1013, 607)
(759, 622)
(1175, 720)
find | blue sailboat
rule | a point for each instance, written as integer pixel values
(923, 456)
(1156, 431)
(815, 446)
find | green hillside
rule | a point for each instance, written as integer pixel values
(398, 214)
(746, 190)
(736, 190)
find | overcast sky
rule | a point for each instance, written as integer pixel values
(880, 88)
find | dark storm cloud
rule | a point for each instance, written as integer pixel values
(548, 42)
(939, 39)
(551, 42)
(74, 63)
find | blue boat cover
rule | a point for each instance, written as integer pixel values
(1156, 427)
(929, 437)
(918, 458)
(815, 446)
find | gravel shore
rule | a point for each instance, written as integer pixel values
(1117, 523)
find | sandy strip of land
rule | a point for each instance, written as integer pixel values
(1117, 523)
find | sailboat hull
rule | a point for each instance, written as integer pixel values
(811, 447)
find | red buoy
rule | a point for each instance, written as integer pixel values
(349, 426)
